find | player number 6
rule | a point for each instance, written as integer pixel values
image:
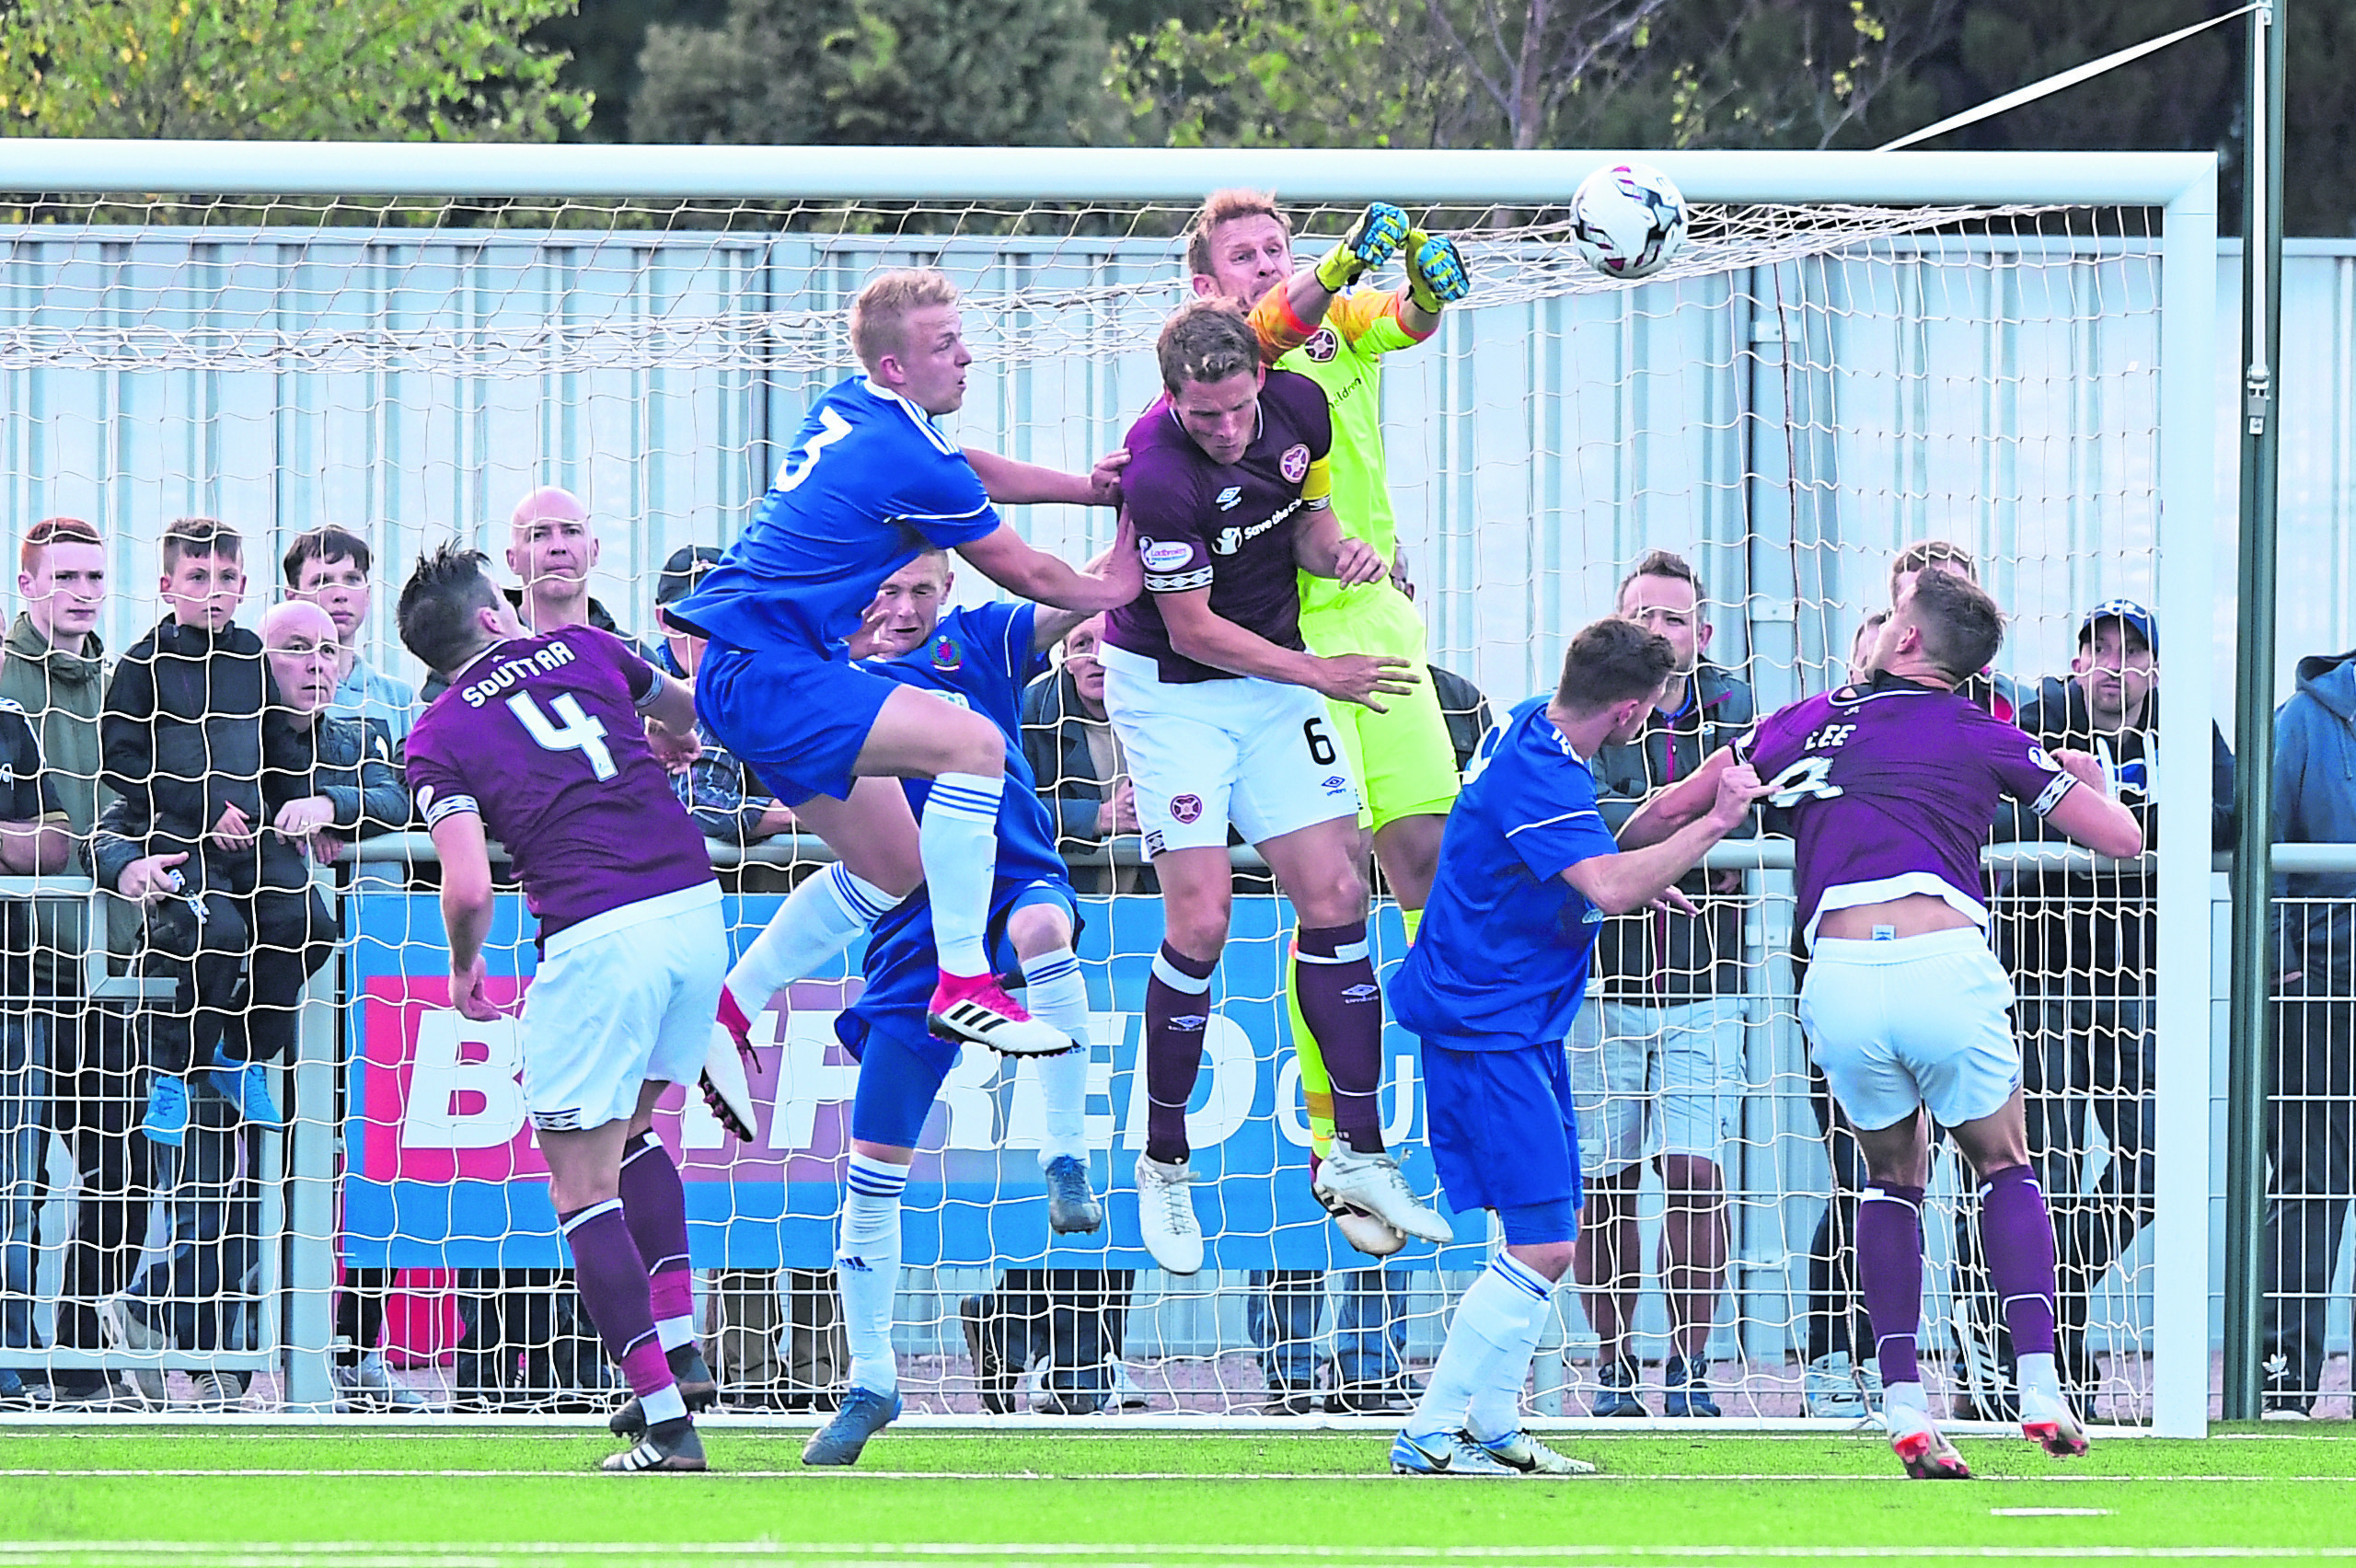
(1321, 744)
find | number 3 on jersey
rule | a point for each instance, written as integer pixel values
(579, 733)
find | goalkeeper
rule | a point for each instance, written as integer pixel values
(1315, 322)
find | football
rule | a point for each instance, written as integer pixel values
(1628, 220)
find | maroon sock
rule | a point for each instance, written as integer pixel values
(2017, 1234)
(1332, 978)
(655, 1205)
(1177, 1008)
(1890, 1274)
(612, 1282)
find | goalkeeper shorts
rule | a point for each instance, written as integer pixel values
(1917, 1021)
(1403, 758)
(624, 999)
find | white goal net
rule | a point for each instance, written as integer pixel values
(1847, 359)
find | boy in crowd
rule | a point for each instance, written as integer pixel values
(241, 929)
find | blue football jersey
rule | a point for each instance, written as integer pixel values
(981, 659)
(870, 482)
(1501, 959)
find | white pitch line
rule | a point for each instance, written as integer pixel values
(824, 1472)
(991, 1550)
(844, 1474)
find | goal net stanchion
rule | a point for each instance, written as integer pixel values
(1856, 351)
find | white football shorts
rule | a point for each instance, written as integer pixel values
(1920, 1020)
(1260, 754)
(623, 999)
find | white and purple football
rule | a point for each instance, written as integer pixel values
(1628, 220)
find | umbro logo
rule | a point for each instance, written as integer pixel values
(1228, 497)
(1336, 784)
(1192, 1023)
(1360, 993)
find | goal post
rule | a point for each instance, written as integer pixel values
(1858, 350)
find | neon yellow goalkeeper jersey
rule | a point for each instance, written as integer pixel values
(1345, 357)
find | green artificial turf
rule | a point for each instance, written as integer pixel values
(444, 1499)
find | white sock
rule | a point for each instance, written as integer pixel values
(867, 1269)
(1496, 1410)
(673, 1332)
(1905, 1408)
(1488, 1347)
(2038, 1375)
(819, 918)
(665, 1403)
(1055, 993)
(957, 841)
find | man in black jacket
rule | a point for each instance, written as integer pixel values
(228, 899)
(2081, 947)
(1658, 1072)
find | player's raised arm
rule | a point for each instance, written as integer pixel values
(1011, 483)
(2088, 813)
(1004, 558)
(1636, 876)
(1682, 802)
(1321, 549)
(1118, 564)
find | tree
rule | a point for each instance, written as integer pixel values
(293, 70)
(946, 73)
(1532, 73)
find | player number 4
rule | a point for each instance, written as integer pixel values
(1807, 779)
(579, 733)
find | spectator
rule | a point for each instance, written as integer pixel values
(727, 802)
(182, 738)
(551, 549)
(1076, 759)
(53, 670)
(328, 565)
(353, 791)
(2314, 1114)
(1999, 694)
(34, 838)
(1658, 1073)
(202, 836)
(2082, 948)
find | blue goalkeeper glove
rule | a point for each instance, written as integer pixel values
(1436, 274)
(1378, 232)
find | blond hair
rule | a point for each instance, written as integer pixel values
(878, 313)
(1225, 206)
(1925, 555)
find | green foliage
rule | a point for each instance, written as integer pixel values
(297, 70)
(960, 72)
(1507, 73)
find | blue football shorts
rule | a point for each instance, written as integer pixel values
(1502, 1130)
(798, 721)
(901, 1062)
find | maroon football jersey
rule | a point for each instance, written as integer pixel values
(541, 737)
(1893, 787)
(1228, 527)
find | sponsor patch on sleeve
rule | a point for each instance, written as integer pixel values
(1164, 555)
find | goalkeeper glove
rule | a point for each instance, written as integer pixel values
(1367, 246)
(1436, 274)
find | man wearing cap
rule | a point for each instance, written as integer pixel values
(2081, 947)
(727, 802)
